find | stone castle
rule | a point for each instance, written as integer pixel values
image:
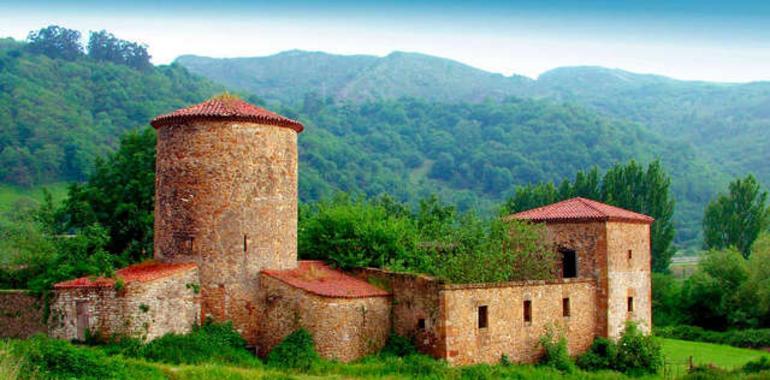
(226, 249)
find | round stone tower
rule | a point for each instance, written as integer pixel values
(226, 199)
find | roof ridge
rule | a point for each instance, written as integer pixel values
(587, 202)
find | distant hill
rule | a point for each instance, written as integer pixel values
(286, 77)
(408, 124)
(57, 116)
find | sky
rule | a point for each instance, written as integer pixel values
(725, 41)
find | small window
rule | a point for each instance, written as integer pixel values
(565, 311)
(245, 244)
(527, 311)
(421, 324)
(483, 321)
(630, 254)
(568, 263)
(630, 304)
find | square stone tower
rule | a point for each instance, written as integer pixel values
(226, 199)
(610, 245)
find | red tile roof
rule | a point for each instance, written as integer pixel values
(318, 278)
(140, 272)
(581, 210)
(226, 108)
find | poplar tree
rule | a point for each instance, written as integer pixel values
(735, 219)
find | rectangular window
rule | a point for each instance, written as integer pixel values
(421, 324)
(527, 311)
(630, 254)
(568, 263)
(565, 311)
(630, 304)
(483, 321)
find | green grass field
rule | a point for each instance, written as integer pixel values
(678, 353)
(10, 196)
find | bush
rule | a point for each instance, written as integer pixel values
(556, 353)
(59, 359)
(638, 353)
(399, 346)
(296, 352)
(600, 356)
(759, 365)
(210, 343)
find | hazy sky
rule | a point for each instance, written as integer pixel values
(705, 40)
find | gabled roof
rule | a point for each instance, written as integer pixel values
(143, 272)
(318, 278)
(581, 210)
(226, 108)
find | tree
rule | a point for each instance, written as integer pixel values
(105, 46)
(119, 195)
(56, 42)
(710, 295)
(736, 218)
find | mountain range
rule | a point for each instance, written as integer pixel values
(406, 124)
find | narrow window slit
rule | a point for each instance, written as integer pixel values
(527, 311)
(483, 317)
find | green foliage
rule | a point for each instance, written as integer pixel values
(399, 346)
(634, 353)
(637, 353)
(210, 343)
(759, 365)
(296, 352)
(711, 295)
(56, 42)
(104, 46)
(736, 219)
(356, 233)
(666, 300)
(600, 356)
(747, 338)
(436, 240)
(51, 358)
(629, 186)
(58, 115)
(556, 353)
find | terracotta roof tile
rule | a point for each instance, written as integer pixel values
(581, 209)
(318, 278)
(226, 108)
(140, 272)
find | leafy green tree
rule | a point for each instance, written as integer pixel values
(104, 46)
(736, 218)
(710, 295)
(119, 195)
(56, 42)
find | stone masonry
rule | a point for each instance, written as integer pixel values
(21, 314)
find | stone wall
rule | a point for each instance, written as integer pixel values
(21, 314)
(415, 298)
(143, 310)
(343, 329)
(628, 277)
(506, 332)
(226, 198)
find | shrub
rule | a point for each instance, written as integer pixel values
(556, 353)
(59, 359)
(638, 353)
(600, 356)
(296, 351)
(399, 346)
(759, 365)
(210, 343)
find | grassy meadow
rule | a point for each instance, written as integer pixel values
(11, 196)
(677, 355)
